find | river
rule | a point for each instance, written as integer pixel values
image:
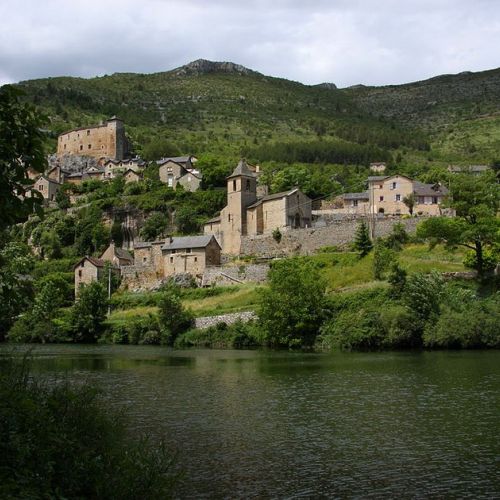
(250, 424)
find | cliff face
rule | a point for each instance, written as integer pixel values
(202, 67)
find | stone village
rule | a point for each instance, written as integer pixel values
(247, 225)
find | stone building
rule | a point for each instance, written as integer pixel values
(378, 167)
(112, 168)
(47, 187)
(117, 256)
(180, 170)
(246, 215)
(87, 270)
(178, 255)
(107, 140)
(132, 176)
(386, 195)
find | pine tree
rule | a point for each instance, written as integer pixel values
(362, 241)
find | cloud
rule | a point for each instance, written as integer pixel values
(341, 41)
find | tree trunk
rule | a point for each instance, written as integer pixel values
(479, 258)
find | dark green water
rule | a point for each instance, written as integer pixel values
(262, 424)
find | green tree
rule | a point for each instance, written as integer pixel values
(383, 257)
(292, 308)
(187, 220)
(89, 312)
(362, 242)
(174, 318)
(410, 201)
(21, 147)
(160, 148)
(155, 226)
(476, 201)
(62, 199)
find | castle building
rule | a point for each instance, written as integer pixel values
(102, 141)
(247, 215)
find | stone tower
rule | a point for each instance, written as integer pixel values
(241, 192)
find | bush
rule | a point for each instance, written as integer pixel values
(61, 441)
(239, 335)
(490, 260)
(174, 318)
(383, 257)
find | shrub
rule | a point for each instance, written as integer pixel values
(62, 441)
(174, 318)
(490, 260)
(383, 257)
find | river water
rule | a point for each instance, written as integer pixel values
(264, 424)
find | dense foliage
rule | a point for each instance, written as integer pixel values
(62, 441)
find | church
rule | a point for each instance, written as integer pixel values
(246, 215)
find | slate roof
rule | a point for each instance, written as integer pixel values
(121, 253)
(213, 219)
(175, 159)
(356, 196)
(242, 169)
(275, 196)
(92, 260)
(180, 242)
(421, 189)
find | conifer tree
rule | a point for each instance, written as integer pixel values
(362, 241)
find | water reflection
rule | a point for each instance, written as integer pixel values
(280, 424)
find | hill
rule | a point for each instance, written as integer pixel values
(227, 109)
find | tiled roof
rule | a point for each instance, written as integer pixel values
(175, 159)
(92, 260)
(422, 189)
(242, 169)
(121, 253)
(180, 242)
(356, 196)
(275, 196)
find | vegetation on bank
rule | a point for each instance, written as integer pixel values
(61, 440)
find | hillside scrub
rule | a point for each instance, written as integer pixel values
(61, 440)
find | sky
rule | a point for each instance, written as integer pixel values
(347, 42)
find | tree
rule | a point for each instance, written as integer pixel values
(410, 201)
(21, 147)
(155, 226)
(89, 312)
(383, 257)
(186, 219)
(476, 201)
(362, 242)
(160, 148)
(292, 309)
(174, 319)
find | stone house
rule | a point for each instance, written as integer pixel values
(246, 215)
(58, 174)
(93, 173)
(87, 270)
(132, 176)
(190, 254)
(74, 178)
(106, 140)
(388, 192)
(356, 203)
(48, 188)
(179, 170)
(117, 256)
(112, 168)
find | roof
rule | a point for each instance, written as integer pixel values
(275, 196)
(356, 196)
(175, 159)
(373, 178)
(44, 177)
(242, 169)
(121, 253)
(113, 118)
(92, 260)
(139, 174)
(180, 242)
(142, 244)
(75, 174)
(213, 219)
(421, 189)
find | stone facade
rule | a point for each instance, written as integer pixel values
(229, 319)
(245, 215)
(107, 140)
(335, 232)
(88, 270)
(48, 188)
(235, 274)
(180, 171)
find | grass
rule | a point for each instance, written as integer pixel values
(343, 271)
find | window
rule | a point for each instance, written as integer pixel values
(79, 273)
(171, 260)
(173, 251)
(144, 259)
(229, 217)
(196, 259)
(381, 198)
(434, 200)
(380, 186)
(81, 147)
(188, 250)
(394, 185)
(40, 187)
(82, 264)
(88, 132)
(90, 147)
(354, 203)
(65, 146)
(234, 185)
(247, 186)
(398, 197)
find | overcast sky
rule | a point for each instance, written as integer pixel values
(346, 42)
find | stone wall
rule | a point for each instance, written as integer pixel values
(335, 232)
(229, 319)
(138, 278)
(234, 274)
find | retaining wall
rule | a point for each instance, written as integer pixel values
(229, 319)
